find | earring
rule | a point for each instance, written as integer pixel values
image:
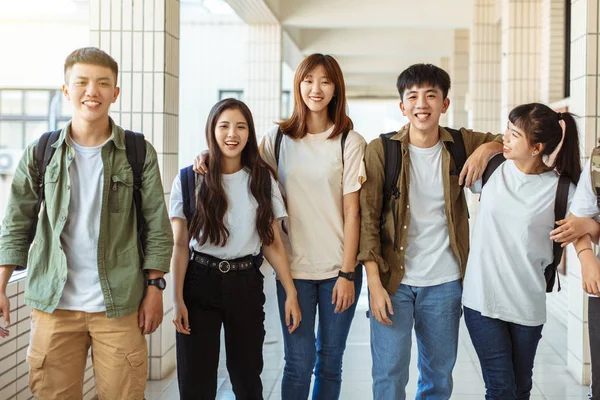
(533, 155)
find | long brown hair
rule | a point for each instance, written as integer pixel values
(295, 126)
(211, 202)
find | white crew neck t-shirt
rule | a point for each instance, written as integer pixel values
(511, 246)
(240, 217)
(429, 260)
(79, 238)
(585, 203)
(314, 180)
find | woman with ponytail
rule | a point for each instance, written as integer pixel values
(504, 294)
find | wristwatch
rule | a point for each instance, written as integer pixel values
(347, 275)
(160, 283)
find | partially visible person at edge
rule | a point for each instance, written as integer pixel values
(504, 294)
(577, 229)
(321, 180)
(415, 252)
(216, 260)
(86, 284)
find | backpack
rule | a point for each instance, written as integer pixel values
(135, 146)
(560, 210)
(595, 172)
(279, 137)
(393, 163)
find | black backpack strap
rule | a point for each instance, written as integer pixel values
(392, 153)
(493, 164)
(560, 210)
(343, 143)
(187, 176)
(44, 153)
(457, 150)
(135, 146)
(278, 139)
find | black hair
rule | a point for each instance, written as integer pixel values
(541, 124)
(423, 74)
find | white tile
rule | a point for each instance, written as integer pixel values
(138, 46)
(105, 16)
(115, 22)
(148, 15)
(94, 21)
(127, 16)
(137, 90)
(138, 15)
(148, 63)
(159, 15)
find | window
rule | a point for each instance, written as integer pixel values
(26, 114)
(231, 93)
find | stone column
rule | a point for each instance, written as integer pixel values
(459, 74)
(585, 79)
(483, 100)
(143, 37)
(521, 53)
(264, 78)
(445, 65)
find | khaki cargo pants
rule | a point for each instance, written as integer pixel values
(58, 350)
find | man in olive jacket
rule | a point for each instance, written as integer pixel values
(85, 280)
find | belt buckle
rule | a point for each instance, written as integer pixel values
(226, 264)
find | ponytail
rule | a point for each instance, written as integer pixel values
(568, 159)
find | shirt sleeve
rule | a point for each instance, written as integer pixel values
(278, 204)
(354, 165)
(267, 148)
(584, 202)
(176, 203)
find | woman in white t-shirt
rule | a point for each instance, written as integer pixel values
(504, 294)
(215, 261)
(321, 169)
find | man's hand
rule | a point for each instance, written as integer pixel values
(343, 295)
(380, 300)
(474, 166)
(590, 274)
(201, 162)
(5, 312)
(151, 310)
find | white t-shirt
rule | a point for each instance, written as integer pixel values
(79, 238)
(429, 259)
(511, 246)
(314, 181)
(240, 217)
(585, 203)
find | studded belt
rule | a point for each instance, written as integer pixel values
(224, 266)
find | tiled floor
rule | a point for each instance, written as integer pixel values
(551, 379)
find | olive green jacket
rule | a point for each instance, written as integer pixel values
(119, 264)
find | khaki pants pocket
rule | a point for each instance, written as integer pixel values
(36, 370)
(137, 362)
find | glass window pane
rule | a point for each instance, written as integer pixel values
(37, 102)
(11, 102)
(11, 135)
(33, 130)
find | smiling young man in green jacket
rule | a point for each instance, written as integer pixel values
(85, 280)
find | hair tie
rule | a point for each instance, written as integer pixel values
(550, 160)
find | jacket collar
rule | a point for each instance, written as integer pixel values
(402, 135)
(117, 136)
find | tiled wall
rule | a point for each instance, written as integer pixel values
(264, 77)
(445, 65)
(13, 351)
(459, 72)
(483, 100)
(552, 67)
(143, 36)
(585, 80)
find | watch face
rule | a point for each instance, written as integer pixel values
(158, 282)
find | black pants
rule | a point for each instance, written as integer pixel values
(594, 331)
(234, 300)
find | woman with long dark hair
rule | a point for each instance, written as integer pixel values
(217, 281)
(504, 294)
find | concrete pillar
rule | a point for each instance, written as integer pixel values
(552, 65)
(521, 54)
(459, 74)
(264, 77)
(445, 65)
(585, 79)
(483, 100)
(143, 37)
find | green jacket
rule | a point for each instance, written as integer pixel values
(121, 277)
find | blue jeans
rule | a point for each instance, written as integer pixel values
(506, 352)
(304, 352)
(435, 311)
